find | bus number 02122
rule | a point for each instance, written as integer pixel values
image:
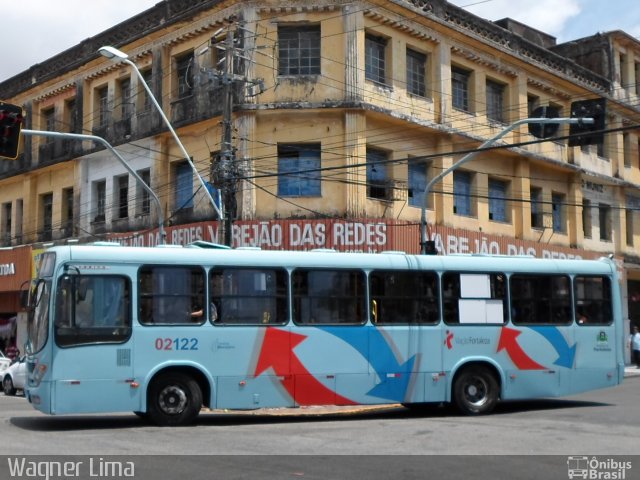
(179, 343)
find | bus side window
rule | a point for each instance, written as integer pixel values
(329, 296)
(474, 298)
(540, 299)
(404, 297)
(171, 295)
(592, 300)
(248, 296)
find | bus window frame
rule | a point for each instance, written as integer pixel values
(365, 296)
(571, 301)
(191, 320)
(588, 322)
(505, 300)
(374, 305)
(216, 301)
(108, 331)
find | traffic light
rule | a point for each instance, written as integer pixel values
(547, 130)
(10, 126)
(588, 134)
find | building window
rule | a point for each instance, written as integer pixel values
(184, 71)
(122, 185)
(49, 123)
(99, 200)
(377, 180)
(299, 50)
(47, 216)
(604, 217)
(102, 106)
(416, 73)
(145, 104)
(417, 181)
(299, 170)
(126, 106)
(183, 186)
(629, 226)
(626, 145)
(6, 223)
(498, 200)
(624, 77)
(533, 102)
(19, 220)
(536, 207)
(67, 211)
(633, 205)
(143, 206)
(71, 116)
(586, 217)
(49, 120)
(374, 59)
(495, 101)
(462, 182)
(557, 205)
(460, 80)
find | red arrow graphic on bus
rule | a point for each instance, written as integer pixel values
(508, 341)
(277, 353)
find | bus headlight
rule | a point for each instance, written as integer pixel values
(38, 373)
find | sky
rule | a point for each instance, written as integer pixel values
(40, 29)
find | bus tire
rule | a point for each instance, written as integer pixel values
(7, 386)
(475, 390)
(173, 399)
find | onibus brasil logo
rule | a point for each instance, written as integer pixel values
(596, 468)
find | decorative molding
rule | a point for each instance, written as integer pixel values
(404, 25)
(58, 89)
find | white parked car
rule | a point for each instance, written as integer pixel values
(4, 362)
(14, 377)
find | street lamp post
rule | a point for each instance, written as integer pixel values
(94, 138)
(425, 246)
(117, 55)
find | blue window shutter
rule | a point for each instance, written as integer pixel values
(184, 186)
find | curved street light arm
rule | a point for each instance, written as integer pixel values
(472, 155)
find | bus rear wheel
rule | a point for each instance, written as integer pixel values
(174, 399)
(475, 390)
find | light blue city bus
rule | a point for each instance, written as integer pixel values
(165, 331)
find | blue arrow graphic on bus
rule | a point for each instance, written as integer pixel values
(566, 353)
(394, 377)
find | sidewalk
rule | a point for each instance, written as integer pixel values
(631, 371)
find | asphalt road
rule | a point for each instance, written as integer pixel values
(524, 437)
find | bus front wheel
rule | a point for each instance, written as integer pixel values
(174, 399)
(475, 390)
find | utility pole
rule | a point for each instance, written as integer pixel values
(227, 165)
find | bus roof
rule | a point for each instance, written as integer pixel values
(311, 259)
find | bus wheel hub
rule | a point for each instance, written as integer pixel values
(172, 400)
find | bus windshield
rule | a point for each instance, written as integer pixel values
(38, 323)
